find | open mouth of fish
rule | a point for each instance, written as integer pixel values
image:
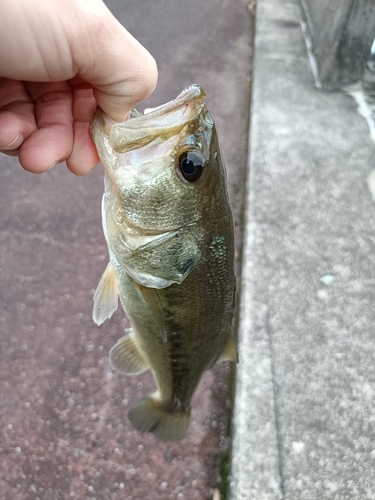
(164, 121)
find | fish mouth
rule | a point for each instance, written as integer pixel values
(162, 122)
(188, 95)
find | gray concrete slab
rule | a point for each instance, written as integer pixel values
(305, 408)
(64, 433)
(341, 33)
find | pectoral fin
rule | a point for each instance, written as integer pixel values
(152, 298)
(126, 357)
(230, 352)
(106, 296)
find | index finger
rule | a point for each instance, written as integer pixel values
(121, 70)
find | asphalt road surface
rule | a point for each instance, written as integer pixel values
(64, 433)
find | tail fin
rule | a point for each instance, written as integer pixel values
(151, 415)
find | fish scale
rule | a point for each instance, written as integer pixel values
(168, 224)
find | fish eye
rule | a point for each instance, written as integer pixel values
(191, 165)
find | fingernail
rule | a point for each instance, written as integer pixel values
(55, 163)
(18, 140)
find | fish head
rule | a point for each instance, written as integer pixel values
(164, 166)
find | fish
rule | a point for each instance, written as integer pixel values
(168, 223)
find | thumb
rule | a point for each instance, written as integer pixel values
(121, 70)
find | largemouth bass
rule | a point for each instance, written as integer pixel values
(168, 224)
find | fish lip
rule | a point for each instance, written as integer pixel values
(165, 121)
(105, 121)
(193, 92)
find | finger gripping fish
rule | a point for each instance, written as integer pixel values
(169, 229)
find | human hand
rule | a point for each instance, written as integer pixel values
(59, 60)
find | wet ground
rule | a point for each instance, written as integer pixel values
(64, 433)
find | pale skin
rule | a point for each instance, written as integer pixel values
(59, 60)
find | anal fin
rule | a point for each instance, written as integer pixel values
(126, 357)
(106, 296)
(230, 352)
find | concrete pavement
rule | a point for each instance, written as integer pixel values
(64, 433)
(305, 390)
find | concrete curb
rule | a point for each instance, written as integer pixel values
(304, 398)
